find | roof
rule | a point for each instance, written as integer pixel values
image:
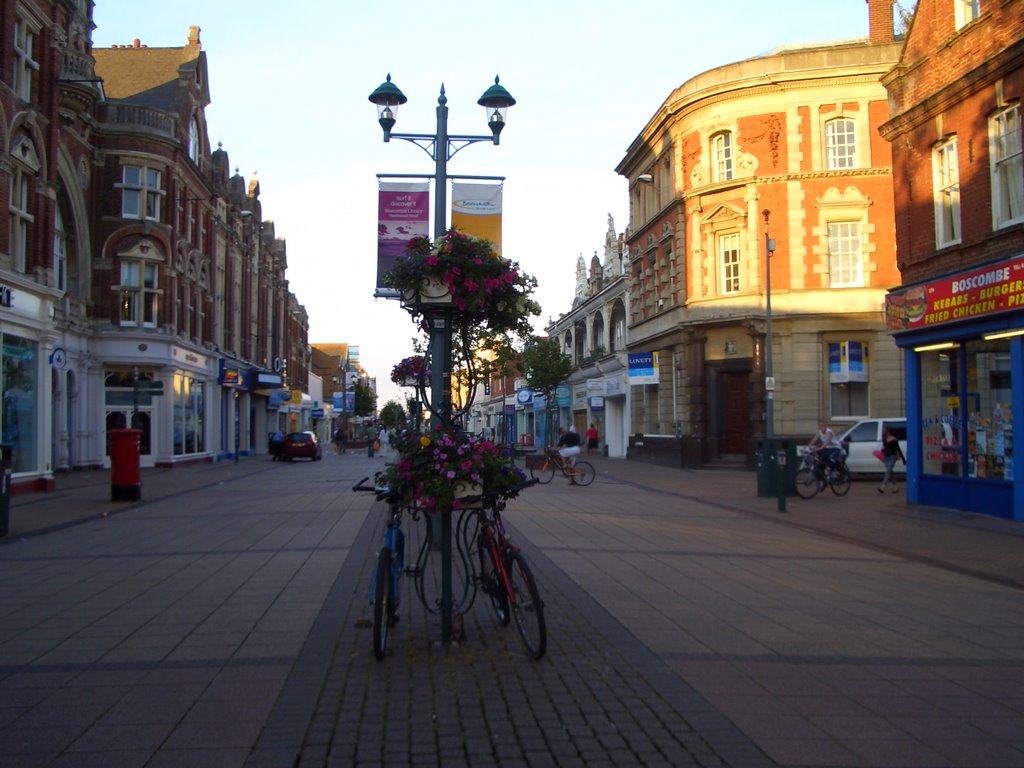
(149, 76)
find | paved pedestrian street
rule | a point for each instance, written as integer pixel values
(225, 621)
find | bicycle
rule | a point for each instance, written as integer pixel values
(504, 575)
(543, 471)
(814, 474)
(384, 589)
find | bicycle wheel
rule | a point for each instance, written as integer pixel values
(492, 585)
(584, 474)
(839, 480)
(543, 471)
(806, 483)
(527, 607)
(382, 603)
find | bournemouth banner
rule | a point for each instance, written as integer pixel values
(403, 213)
(476, 210)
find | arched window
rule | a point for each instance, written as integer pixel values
(721, 157)
(840, 144)
(60, 252)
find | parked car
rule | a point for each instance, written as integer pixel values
(865, 437)
(301, 445)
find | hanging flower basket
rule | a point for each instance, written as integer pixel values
(482, 288)
(441, 468)
(409, 372)
(430, 291)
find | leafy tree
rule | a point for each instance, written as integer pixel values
(545, 366)
(392, 415)
(364, 400)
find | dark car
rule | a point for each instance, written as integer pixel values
(301, 445)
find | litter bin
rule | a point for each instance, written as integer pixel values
(5, 489)
(768, 470)
(125, 479)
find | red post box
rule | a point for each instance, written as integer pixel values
(125, 479)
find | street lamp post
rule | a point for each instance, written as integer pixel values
(769, 374)
(441, 147)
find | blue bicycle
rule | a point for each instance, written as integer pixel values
(384, 590)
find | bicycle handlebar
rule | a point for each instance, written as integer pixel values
(383, 492)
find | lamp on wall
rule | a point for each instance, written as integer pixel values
(645, 178)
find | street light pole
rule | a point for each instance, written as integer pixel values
(769, 379)
(441, 147)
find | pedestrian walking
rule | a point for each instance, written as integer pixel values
(383, 440)
(592, 439)
(371, 438)
(890, 452)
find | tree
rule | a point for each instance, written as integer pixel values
(392, 416)
(545, 366)
(364, 400)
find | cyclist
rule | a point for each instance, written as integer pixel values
(826, 446)
(569, 447)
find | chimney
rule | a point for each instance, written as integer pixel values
(881, 23)
(193, 36)
(137, 43)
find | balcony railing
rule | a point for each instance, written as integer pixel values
(131, 117)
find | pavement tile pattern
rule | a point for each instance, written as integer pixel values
(223, 621)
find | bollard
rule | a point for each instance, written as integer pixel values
(780, 463)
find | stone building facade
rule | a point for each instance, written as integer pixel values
(793, 133)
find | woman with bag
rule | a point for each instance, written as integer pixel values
(890, 452)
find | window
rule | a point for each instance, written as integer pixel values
(193, 140)
(21, 218)
(840, 144)
(189, 415)
(729, 250)
(60, 252)
(140, 190)
(24, 64)
(848, 379)
(947, 194)
(966, 11)
(1007, 168)
(20, 386)
(845, 263)
(721, 157)
(138, 293)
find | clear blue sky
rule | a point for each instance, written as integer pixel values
(289, 85)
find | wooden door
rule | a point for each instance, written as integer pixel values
(736, 426)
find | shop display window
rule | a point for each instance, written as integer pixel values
(966, 410)
(19, 404)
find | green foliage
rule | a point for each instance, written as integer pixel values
(545, 365)
(364, 401)
(392, 416)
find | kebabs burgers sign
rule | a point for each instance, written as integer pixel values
(990, 290)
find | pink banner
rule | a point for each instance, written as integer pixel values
(403, 212)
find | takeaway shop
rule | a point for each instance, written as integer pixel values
(963, 340)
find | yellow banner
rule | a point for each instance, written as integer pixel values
(476, 210)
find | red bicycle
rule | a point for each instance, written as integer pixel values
(503, 575)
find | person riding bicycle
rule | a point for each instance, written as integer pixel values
(826, 446)
(569, 445)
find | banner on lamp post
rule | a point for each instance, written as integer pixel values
(476, 210)
(403, 212)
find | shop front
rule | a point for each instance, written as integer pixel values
(963, 339)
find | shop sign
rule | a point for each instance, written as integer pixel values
(596, 404)
(964, 296)
(563, 396)
(643, 368)
(847, 361)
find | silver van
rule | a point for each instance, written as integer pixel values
(865, 437)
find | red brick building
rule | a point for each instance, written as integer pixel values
(793, 132)
(139, 283)
(955, 128)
